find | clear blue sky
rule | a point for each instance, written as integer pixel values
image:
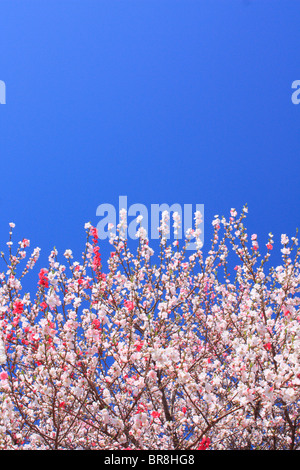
(164, 101)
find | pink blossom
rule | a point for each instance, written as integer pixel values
(129, 305)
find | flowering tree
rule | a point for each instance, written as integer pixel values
(172, 355)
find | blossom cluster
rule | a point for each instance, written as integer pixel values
(175, 351)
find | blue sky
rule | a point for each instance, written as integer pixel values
(164, 101)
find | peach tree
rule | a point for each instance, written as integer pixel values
(166, 350)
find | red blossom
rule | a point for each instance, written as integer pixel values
(25, 243)
(204, 444)
(96, 324)
(139, 346)
(43, 280)
(155, 414)
(18, 307)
